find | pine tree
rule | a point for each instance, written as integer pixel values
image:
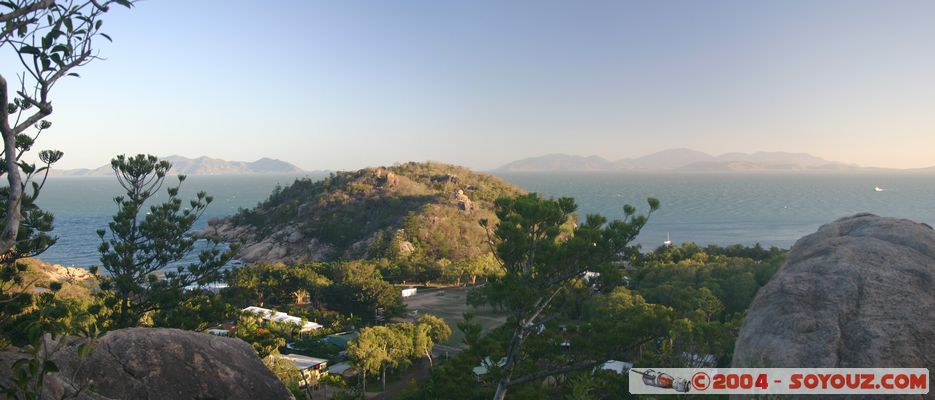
(137, 248)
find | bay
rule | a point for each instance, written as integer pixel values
(771, 209)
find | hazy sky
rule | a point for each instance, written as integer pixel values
(345, 84)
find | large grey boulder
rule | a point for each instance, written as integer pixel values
(153, 363)
(860, 292)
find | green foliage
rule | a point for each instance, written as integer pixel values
(287, 373)
(134, 248)
(360, 290)
(278, 284)
(396, 345)
(732, 280)
(264, 339)
(196, 310)
(548, 295)
(709, 291)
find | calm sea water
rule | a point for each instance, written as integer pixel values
(82, 205)
(707, 209)
(774, 210)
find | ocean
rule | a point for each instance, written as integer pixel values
(771, 209)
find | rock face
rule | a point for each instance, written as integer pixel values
(153, 363)
(860, 292)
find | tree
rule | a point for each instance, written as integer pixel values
(288, 374)
(196, 310)
(545, 254)
(429, 330)
(369, 351)
(359, 289)
(137, 248)
(51, 40)
(380, 347)
(400, 350)
(278, 284)
(250, 329)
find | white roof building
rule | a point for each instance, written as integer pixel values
(304, 362)
(340, 368)
(281, 317)
(620, 367)
(485, 366)
(212, 287)
(312, 368)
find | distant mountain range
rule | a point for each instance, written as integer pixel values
(200, 166)
(687, 160)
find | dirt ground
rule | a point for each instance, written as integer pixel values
(450, 304)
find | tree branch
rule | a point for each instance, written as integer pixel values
(40, 5)
(13, 216)
(542, 374)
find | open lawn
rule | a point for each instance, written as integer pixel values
(450, 304)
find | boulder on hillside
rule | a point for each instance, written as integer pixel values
(860, 292)
(155, 363)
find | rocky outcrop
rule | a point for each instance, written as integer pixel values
(425, 210)
(860, 292)
(464, 202)
(287, 244)
(153, 363)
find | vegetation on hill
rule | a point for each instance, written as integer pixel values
(695, 299)
(422, 217)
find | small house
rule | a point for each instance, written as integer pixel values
(340, 340)
(485, 365)
(342, 368)
(312, 368)
(620, 367)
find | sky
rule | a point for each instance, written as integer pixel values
(347, 84)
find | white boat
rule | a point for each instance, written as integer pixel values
(878, 189)
(668, 241)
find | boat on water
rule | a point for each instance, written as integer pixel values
(668, 241)
(878, 189)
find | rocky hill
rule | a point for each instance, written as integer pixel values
(413, 211)
(559, 162)
(684, 160)
(201, 166)
(857, 293)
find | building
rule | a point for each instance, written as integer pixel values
(218, 332)
(620, 367)
(342, 368)
(213, 287)
(282, 318)
(340, 340)
(312, 368)
(485, 365)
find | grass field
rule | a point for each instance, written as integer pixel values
(450, 304)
